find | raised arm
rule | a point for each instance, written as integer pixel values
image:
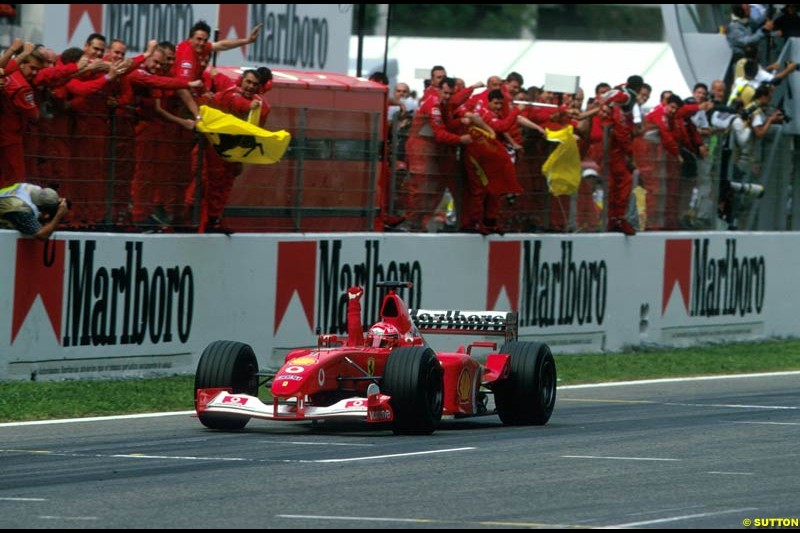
(8, 53)
(228, 44)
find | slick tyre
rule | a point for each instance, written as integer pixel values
(528, 396)
(413, 378)
(230, 365)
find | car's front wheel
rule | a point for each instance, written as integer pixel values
(528, 395)
(227, 365)
(413, 378)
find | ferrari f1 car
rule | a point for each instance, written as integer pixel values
(389, 376)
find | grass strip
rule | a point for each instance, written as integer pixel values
(44, 400)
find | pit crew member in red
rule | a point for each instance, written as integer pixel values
(17, 107)
(621, 100)
(431, 156)
(193, 54)
(238, 100)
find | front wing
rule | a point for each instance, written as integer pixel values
(375, 408)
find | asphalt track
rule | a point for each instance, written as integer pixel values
(709, 453)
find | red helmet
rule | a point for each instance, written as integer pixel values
(383, 335)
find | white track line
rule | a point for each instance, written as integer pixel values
(320, 443)
(389, 456)
(229, 459)
(92, 419)
(684, 404)
(618, 458)
(771, 423)
(48, 517)
(733, 406)
(468, 524)
(679, 380)
(678, 518)
(354, 518)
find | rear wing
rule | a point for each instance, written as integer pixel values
(453, 321)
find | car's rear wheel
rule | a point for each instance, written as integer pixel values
(230, 365)
(413, 378)
(528, 395)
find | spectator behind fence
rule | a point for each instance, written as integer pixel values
(787, 24)
(744, 87)
(17, 107)
(88, 98)
(47, 141)
(192, 55)
(431, 154)
(218, 175)
(489, 166)
(748, 128)
(622, 101)
(31, 210)
(771, 73)
(741, 31)
(401, 103)
(151, 171)
(400, 112)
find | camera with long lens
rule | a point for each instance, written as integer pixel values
(753, 190)
(51, 210)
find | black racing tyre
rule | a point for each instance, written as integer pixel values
(528, 395)
(231, 365)
(413, 378)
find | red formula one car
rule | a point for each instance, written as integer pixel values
(390, 376)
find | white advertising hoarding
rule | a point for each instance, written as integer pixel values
(313, 37)
(91, 305)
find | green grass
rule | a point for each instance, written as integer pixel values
(41, 400)
(739, 358)
(68, 399)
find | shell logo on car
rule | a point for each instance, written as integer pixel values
(303, 361)
(464, 386)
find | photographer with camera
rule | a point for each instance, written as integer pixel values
(774, 73)
(750, 126)
(31, 210)
(759, 115)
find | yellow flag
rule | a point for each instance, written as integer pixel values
(640, 193)
(239, 141)
(563, 168)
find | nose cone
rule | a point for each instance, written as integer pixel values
(293, 377)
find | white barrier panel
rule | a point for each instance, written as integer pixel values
(308, 37)
(92, 305)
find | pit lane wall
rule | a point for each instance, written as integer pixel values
(109, 305)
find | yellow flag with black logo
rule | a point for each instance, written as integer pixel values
(563, 168)
(239, 141)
